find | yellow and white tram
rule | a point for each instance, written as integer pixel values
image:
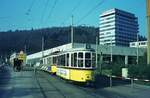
(75, 64)
(49, 63)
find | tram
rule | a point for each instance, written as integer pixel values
(49, 63)
(17, 60)
(75, 64)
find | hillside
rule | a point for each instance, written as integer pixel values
(14, 41)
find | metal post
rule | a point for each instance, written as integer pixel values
(42, 47)
(132, 83)
(96, 51)
(25, 48)
(126, 60)
(72, 38)
(110, 81)
(137, 56)
(148, 26)
(111, 58)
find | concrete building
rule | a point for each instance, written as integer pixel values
(117, 28)
(139, 44)
(127, 54)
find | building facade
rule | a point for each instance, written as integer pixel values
(139, 44)
(117, 28)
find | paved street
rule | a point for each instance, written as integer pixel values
(27, 84)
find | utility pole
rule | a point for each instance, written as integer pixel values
(72, 38)
(111, 56)
(148, 26)
(42, 46)
(137, 56)
(96, 61)
(25, 49)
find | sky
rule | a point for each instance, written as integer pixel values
(27, 14)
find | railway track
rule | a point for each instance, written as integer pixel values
(94, 93)
(88, 91)
(50, 82)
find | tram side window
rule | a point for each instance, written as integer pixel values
(62, 60)
(87, 59)
(57, 60)
(49, 60)
(75, 59)
(80, 59)
(54, 60)
(67, 59)
(44, 61)
(41, 61)
(72, 60)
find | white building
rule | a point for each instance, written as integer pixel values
(117, 28)
(140, 44)
(127, 53)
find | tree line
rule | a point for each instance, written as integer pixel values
(14, 41)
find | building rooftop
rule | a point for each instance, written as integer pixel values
(102, 49)
(113, 10)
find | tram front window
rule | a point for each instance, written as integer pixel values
(88, 55)
(87, 63)
(80, 63)
(80, 59)
(80, 55)
(75, 59)
(72, 60)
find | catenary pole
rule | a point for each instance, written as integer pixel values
(148, 33)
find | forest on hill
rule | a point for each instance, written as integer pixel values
(14, 41)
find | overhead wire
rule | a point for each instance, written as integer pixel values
(90, 11)
(28, 38)
(51, 11)
(30, 7)
(43, 12)
(72, 11)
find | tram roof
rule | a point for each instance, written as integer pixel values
(70, 50)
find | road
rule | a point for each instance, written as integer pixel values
(27, 84)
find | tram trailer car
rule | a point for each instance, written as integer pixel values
(49, 63)
(76, 65)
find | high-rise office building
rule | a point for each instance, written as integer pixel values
(117, 28)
